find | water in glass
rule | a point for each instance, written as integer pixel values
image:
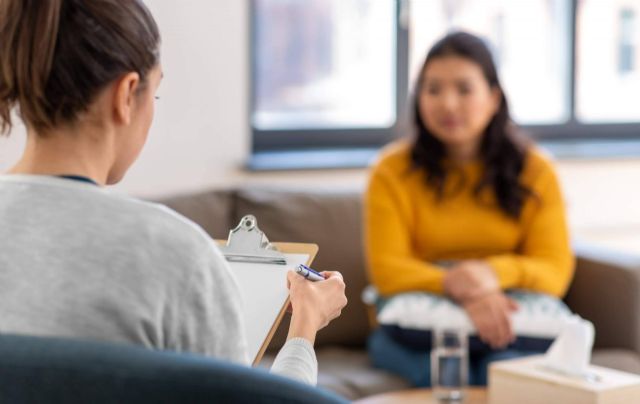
(449, 364)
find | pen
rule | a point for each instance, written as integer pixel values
(309, 273)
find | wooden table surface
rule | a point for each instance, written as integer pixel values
(473, 395)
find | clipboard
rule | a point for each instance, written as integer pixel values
(260, 269)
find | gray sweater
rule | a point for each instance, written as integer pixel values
(79, 261)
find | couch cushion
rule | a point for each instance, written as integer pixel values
(333, 220)
(349, 373)
(212, 210)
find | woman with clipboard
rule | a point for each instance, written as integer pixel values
(78, 261)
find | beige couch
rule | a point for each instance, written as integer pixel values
(606, 288)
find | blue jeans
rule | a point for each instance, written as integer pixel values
(415, 365)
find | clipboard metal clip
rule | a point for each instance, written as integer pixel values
(247, 243)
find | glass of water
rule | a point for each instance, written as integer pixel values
(449, 364)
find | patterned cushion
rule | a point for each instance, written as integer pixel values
(410, 317)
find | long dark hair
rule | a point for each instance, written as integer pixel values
(502, 151)
(56, 55)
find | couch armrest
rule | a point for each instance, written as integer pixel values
(606, 291)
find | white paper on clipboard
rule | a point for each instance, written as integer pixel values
(260, 268)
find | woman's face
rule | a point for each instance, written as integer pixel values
(456, 101)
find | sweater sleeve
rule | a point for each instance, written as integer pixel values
(297, 360)
(393, 265)
(544, 262)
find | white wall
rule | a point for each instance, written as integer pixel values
(200, 136)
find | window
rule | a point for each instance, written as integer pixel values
(337, 73)
(627, 46)
(318, 61)
(608, 78)
(324, 71)
(529, 40)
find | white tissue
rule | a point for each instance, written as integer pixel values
(570, 353)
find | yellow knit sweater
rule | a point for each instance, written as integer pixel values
(409, 233)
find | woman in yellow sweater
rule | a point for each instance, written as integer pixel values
(466, 210)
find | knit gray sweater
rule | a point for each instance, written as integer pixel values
(77, 260)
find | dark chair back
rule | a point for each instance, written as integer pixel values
(56, 370)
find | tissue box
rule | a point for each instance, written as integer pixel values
(526, 381)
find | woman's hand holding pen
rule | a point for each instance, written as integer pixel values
(314, 304)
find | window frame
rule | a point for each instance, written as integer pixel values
(340, 138)
(573, 129)
(301, 140)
